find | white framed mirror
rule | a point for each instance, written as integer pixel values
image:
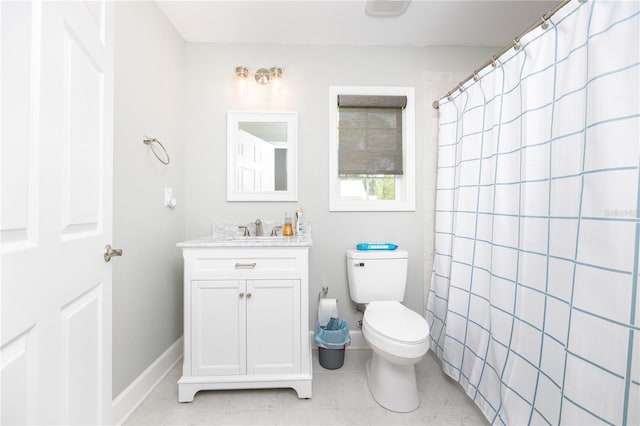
(262, 156)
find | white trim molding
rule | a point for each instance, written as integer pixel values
(130, 398)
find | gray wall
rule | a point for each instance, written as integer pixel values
(147, 280)
(309, 71)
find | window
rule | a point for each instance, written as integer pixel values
(372, 149)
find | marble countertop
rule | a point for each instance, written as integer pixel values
(221, 241)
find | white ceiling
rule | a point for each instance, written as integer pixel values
(344, 22)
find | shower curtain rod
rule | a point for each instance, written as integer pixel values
(514, 44)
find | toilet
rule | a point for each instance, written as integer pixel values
(397, 335)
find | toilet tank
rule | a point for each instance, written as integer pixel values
(377, 275)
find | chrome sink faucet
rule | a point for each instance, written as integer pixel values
(259, 229)
(274, 230)
(246, 232)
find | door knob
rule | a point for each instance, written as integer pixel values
(110, 252)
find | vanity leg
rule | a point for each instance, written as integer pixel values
(303, 389)
(186, 392)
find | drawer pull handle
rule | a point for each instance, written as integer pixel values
(245, 265)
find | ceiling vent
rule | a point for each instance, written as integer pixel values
(386, 8)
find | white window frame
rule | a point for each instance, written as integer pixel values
(405, 183)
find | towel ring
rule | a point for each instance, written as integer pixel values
(164, 154)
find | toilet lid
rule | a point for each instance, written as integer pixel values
(396, 322)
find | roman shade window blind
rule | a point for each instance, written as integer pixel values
(370, 134)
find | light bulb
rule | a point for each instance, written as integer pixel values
(242, 74)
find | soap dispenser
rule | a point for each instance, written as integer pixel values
(287, 229)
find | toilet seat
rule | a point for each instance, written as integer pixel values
(397, 322)
(395, 330)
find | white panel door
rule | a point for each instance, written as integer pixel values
(56, 181)
(256, 163)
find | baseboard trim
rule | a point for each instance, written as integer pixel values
(357, 340)
(130, 398)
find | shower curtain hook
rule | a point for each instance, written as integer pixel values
(493, 62)
(460, 88)
(516, 44)
(475, 76)
(545, 23)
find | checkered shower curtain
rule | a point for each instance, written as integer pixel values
(534, 305)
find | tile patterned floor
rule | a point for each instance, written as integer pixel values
(340, 397)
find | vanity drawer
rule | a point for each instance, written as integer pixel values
(243, 266)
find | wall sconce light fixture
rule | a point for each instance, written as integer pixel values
(263, 76)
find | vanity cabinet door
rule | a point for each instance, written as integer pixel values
(273, 326)
(218, 320)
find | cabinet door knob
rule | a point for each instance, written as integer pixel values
(241, 295)
(248, 295)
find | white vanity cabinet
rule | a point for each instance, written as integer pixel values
(245, 317)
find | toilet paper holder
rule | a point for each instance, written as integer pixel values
(327, 308)
(323, 293)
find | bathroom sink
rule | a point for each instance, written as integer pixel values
(228, 234)
(261, 238)
(252, 241)
(268, 241)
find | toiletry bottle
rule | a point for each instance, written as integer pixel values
(287, 229)
(298, 228)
